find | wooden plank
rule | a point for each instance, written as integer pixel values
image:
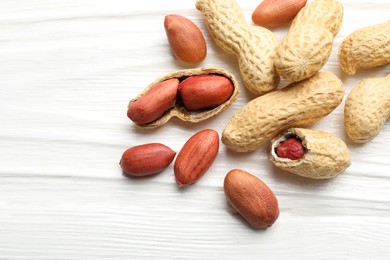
(69, 69)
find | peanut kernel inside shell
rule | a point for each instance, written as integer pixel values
(290, 148)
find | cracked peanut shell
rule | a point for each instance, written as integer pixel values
(179, 110)
(325, 156)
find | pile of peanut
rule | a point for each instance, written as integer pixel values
(278, 116)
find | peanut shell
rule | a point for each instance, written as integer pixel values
(308, 43)
(325, 156)
(327, 12)
(254, 46)
(365, 48)
(300, 57)
(299, 104)
(179, 110)
(367, 108)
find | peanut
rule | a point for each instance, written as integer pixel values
(329, 13)
(308, 43)
(146, 159)
(365, 48)
(185, 39)
(254, 46)
(323, 155)
(291, 148)
(252, 198)
(154, 103)
(367, 108)
(205, 91)
(161, 115)
(196, 157)
(274, 13)
(298, 105)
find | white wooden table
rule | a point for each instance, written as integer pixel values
(67, 72)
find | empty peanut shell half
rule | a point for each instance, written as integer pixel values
(201, 93)
(310, 153)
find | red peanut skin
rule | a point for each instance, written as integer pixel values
(196, 157)
(205, 91)
(274, 13)
(154, 103)
(185, 39)
(292, 149)
(252, 198)
(146, 159)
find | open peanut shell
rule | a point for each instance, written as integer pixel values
(179, 110)
(325, 155)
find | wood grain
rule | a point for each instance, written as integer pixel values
(68, 71)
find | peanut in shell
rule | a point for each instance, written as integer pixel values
(299, 104)
(179, 110)
(367, 108)
(308, 43)
(325, 156)
(365, 48)
(329, 13)
(301, 55)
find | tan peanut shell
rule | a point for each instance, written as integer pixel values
(329, 13)
(325, 157)
(365, 48)
(367, 108)
(308, 44)
(298, 105)
(254, 46)
(179, 110)
(302, 55)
